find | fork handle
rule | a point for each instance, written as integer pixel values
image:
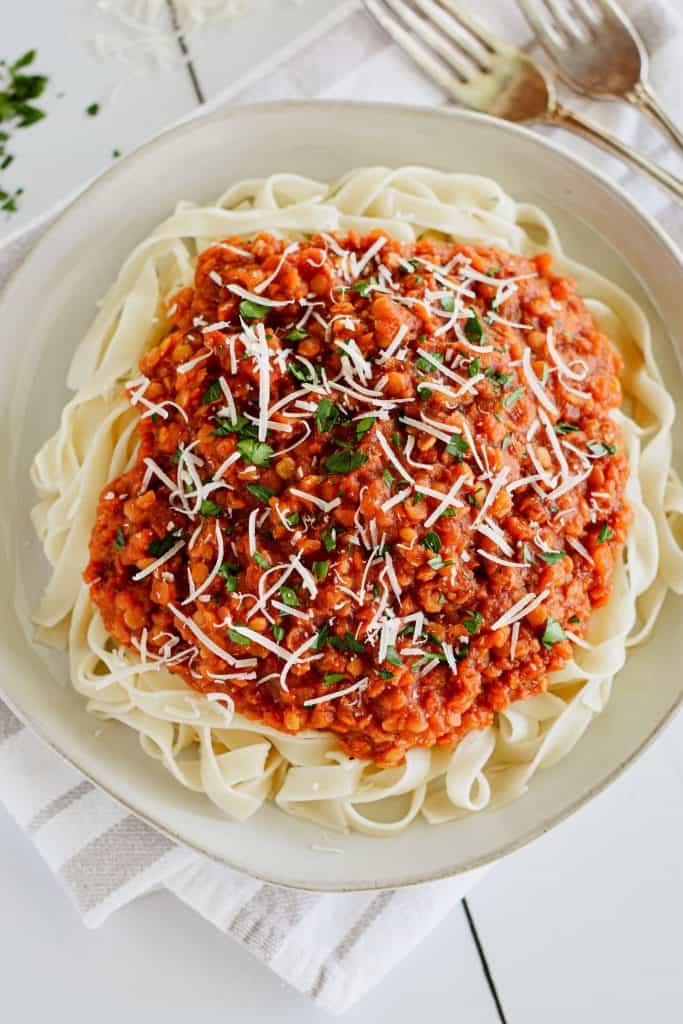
(578, 123)
(644, 98)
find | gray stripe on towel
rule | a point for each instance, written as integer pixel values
(354, 934)
(112, 860)
(56, 806)
(264, 922)
(9, 723)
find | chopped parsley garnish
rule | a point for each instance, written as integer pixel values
(296, 335)
(289, 597)
(159, 546)
(329, 539)
(575, 620)
(424, 393)
(492, 271)
(363, 288)
(326, 415)
(396, 439)
(448, 303)
(553, 633)
(242, 427)
(385, 674)
(448, 513)
(507, 441)
(260, 560)
(605, 534)
(302, 373)
(437, 562)
(565, 428)
(322, 637)
(551, 557)
(428, 364)
(348, 642)
(120, 541)
(253, 310)
(212, 393)
(238, 638)
(228, 572)
(344, 461)
(116, 153)
(388, 478)
(473, 368)
(294, 519)
(278, 633)
(93, 110)
(256, 452)
(209, 508)
(417, 498)
(330, 678)
(457, 446)
(513, 397)
(471, 499)
(363, 425)
(473, 621)
(474, 330)
(16, 90)
(499, 380)
(261, 492)
(599, 448)
(393, 657)
(432, 542)
(320, 570)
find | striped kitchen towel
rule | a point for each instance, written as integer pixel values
(333, 947)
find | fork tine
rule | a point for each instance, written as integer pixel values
(540, 28)
(563, 24)
(419, 53)
(425, 31)
(473, 26)
(438, 16)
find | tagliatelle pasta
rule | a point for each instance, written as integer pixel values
(237, 760)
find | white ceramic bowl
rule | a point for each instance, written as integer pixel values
(50, 302)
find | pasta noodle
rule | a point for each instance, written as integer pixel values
(209, 748)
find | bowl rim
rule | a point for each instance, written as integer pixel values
(224, 114)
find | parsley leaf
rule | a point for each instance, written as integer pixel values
(457, 446)
(320, 570)
(551, 557)
(474, 330)
(363, 425)
(473, 368)
(256, 452)
(296, 335)
(448, 303)
(345, 461)
(393, 657)
(212, 393)
(120, 541)
(209, 508)
(228, 572)
(513, 397)
(432, 542)
(260, 560)
(329, 539)
(253, 310)
(428, 364)
(301, 372)
(159, 546)
(278, 633)
(238, 638)
(261, 492)
(605, 534)
(330, 678)
(288, 595)
(473, 621)
(326, 415)
(562, 428)
(553, 633)
(599, 448)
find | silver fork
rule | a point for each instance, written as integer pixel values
(597, 51)
(481, 71)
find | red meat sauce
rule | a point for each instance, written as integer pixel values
(448, 670)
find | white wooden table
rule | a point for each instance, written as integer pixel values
(583, 925)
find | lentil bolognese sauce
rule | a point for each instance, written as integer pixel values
(378, 490)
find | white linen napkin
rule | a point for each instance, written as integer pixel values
(332, 947)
